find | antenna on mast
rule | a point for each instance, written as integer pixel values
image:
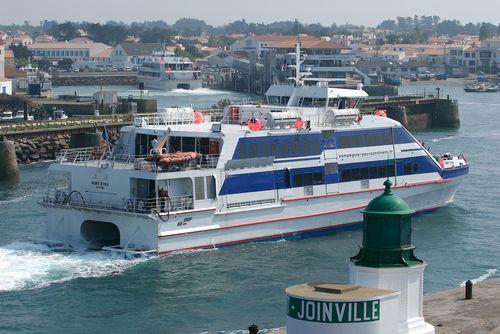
(299, 60)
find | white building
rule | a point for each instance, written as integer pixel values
(257, 43)
(324, 59)
(101, 59)
(22, 39)
(5, 84)
(462, 58)
(133, 54)
(44, 38)
(489, 54)
(2, 59)
(65, 50)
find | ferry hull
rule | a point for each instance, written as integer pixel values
(168, 85)
(293, 218)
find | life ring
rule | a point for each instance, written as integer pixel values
(254, 124)
(298, 124)
(198, 117)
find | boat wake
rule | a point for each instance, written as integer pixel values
(435, 140)
(14, 200)
(489, 273)
(199, 91)
(26, 265)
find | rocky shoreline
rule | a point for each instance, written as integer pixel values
(43, 148)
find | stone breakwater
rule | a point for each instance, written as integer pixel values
(43, 147)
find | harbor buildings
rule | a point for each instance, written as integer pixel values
(324, 58)
(133, 54)
(5, 84)
(66, 50)
(258, 43)
(489, 54)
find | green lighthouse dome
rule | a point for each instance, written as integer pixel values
(386, 233)
(388, 203)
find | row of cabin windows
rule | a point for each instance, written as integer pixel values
(365, 173)
(307, 179)
(284, 148)
(389, 136)
(410, 168)
(363, 140)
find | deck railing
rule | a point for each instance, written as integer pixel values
(102, 158)
(136, 205)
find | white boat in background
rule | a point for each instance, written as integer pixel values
(7, 116)
(59, 114)
(164, 71)
(303, 165)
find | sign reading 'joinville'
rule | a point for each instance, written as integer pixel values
(333, 312)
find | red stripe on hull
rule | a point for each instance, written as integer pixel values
(242, 241)
(270, 221)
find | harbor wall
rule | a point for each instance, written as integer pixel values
(87, 79)
(419, 114)
(42, 146)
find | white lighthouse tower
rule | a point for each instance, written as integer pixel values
(386, 259)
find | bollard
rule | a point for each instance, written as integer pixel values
(468, 289)
(9, 170)
(253, 329)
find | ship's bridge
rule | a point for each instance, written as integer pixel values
(319, 95)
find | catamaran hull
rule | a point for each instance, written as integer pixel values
(209, 228)
(168, 85)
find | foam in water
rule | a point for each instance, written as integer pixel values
(14, 200)
(489, 273)
(435, 140)
(199, 91)
(25, 265)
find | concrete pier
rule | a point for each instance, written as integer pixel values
(9, 170)
(450, 313)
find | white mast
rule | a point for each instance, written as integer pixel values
(299, 75)
(299, 60)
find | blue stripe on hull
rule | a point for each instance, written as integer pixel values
(301, 235)
(453, 173)
(272, 180)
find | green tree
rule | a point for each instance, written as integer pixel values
(484, 32)
(20, 51)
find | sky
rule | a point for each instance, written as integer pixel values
(218, 12)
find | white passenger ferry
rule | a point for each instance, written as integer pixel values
(165, 71)
(304, 166)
